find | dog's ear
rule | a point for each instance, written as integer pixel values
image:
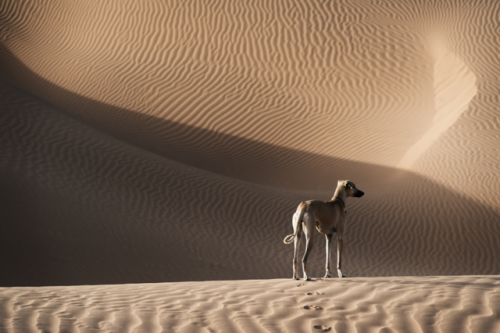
(344, 183)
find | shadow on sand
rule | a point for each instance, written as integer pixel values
(404, 225)
(229, 155)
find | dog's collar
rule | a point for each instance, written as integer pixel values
(341, 201)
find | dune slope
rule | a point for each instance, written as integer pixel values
(87, 208)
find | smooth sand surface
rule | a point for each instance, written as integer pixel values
(167, 141)
(393, 304)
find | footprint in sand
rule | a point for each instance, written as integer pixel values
(322, 328)
(300, 285)
(316, 293)
(313, 307)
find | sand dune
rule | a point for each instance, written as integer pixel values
(357, 81)
(91, 209)
(170, 141)
(301, 75)
(403, 304)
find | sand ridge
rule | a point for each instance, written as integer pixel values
(455, 86)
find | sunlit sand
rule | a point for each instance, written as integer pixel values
(152, 154)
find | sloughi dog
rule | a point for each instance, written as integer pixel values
(329, 218)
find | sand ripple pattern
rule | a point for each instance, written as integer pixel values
(296, 74)
(85, 208)
(101, 199)
(445, 304)
(466, 157)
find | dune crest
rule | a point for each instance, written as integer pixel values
(454, 88)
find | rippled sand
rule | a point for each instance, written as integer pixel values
(402, 304)
(168, 141)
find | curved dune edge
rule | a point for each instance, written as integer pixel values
(86, 208)
(322, 77)
(454, 88)
(447, 304)
(266, 71)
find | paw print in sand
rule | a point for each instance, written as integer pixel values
(313, 307)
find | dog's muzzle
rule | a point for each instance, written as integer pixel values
(359, 194)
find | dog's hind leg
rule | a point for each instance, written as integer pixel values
(308, 231)
(296, 222)
(328, 255)
(297, 232)
(296, 244)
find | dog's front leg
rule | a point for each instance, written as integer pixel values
(340, 246)
(328, 255)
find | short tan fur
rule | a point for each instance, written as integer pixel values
(328, 217)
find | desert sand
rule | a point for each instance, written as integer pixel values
(171, 141)
(396, 304)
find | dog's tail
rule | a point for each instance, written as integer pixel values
(297, 223)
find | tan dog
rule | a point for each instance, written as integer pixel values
(328, 217)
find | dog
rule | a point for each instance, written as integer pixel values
(329, 218)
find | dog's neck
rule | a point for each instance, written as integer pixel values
(340, 193)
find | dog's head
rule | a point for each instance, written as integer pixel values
(351, 189)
